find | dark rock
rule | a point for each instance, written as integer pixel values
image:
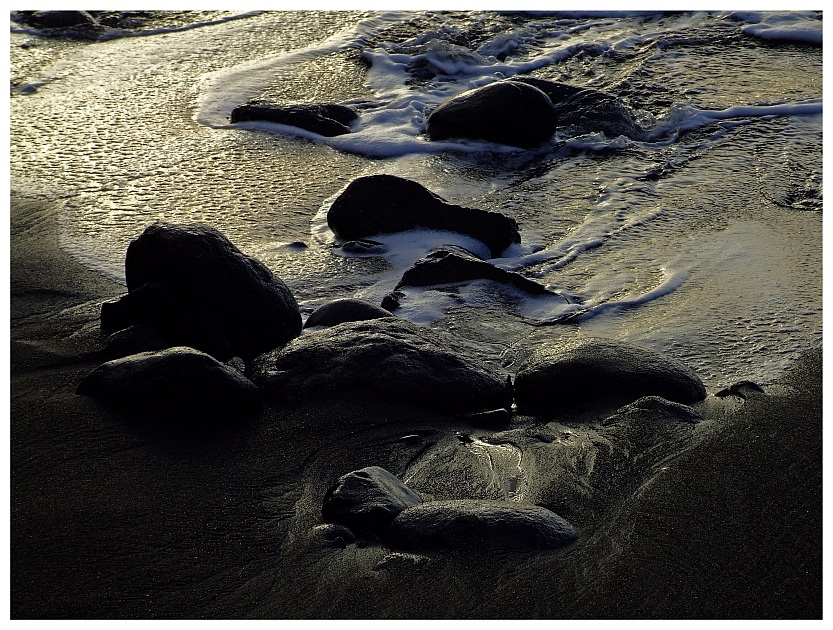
(345, 310)
(395, 359)
(505, 112)
(454, 265)
(193, 285)
(590, 372)
(135, 339)
(367, 500)
(175, 381)
(364, 246)
(587, 110)
(741, 389)
(380, 204)
(61, 19)
(484, 524)
(392, 300)
(326, 119)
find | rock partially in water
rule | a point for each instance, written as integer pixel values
(586, 110)
(367, 500)
(325, 119)
(589, 372)
(344, 310)
(58, 19)
(463, 523)
(453, 265)
(505, 112)
(381, 204)
(174, 381)
(394, 359)
(193, 285)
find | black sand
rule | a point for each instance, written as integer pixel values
(118, 516)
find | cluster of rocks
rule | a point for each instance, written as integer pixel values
(374, 501)
(198, 310)
(522, 112)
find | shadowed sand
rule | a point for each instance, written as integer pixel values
(114, 515)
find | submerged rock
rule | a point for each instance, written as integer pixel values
(450, 265)
(367, 500)
(503, 525)
(173, 381)
(344, 310)
(587, 110)
(193, 285)
(505, 112)
(326, 119)
(380, 204)
(589, 372)
(396, 360)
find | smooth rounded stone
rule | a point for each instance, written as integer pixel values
(193, 285)
(344, 310)
(587, 110)
(484, 524)
(367, 500)
(175, 380)
(742, 389)
(589, 372)
(450, 264)
(505, 112)
(392, 358)
(381, 204)
(325, 119)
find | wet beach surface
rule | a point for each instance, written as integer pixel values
(701, 508)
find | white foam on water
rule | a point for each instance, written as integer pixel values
(804, 27)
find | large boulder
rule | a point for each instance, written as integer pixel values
(590, 371)
(326, 119)
(381, 204)
(367, 500)
(505, 112)
(174, 381)
(480, 523)
(392, 358)
(191, 283)
(344, 310)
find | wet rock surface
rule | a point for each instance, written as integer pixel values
(381, 204)
(367, 500)
(506, 112)
(456, 265)
(326, 119)
(587, 110)
(584, 372)
(193, 285)
(392, 358)
(344, 310)
(173, 381)
(475, 523)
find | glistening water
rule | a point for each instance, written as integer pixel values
(702, 239)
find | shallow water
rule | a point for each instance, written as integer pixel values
(702, 239)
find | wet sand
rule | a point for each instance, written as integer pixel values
(119, 516)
